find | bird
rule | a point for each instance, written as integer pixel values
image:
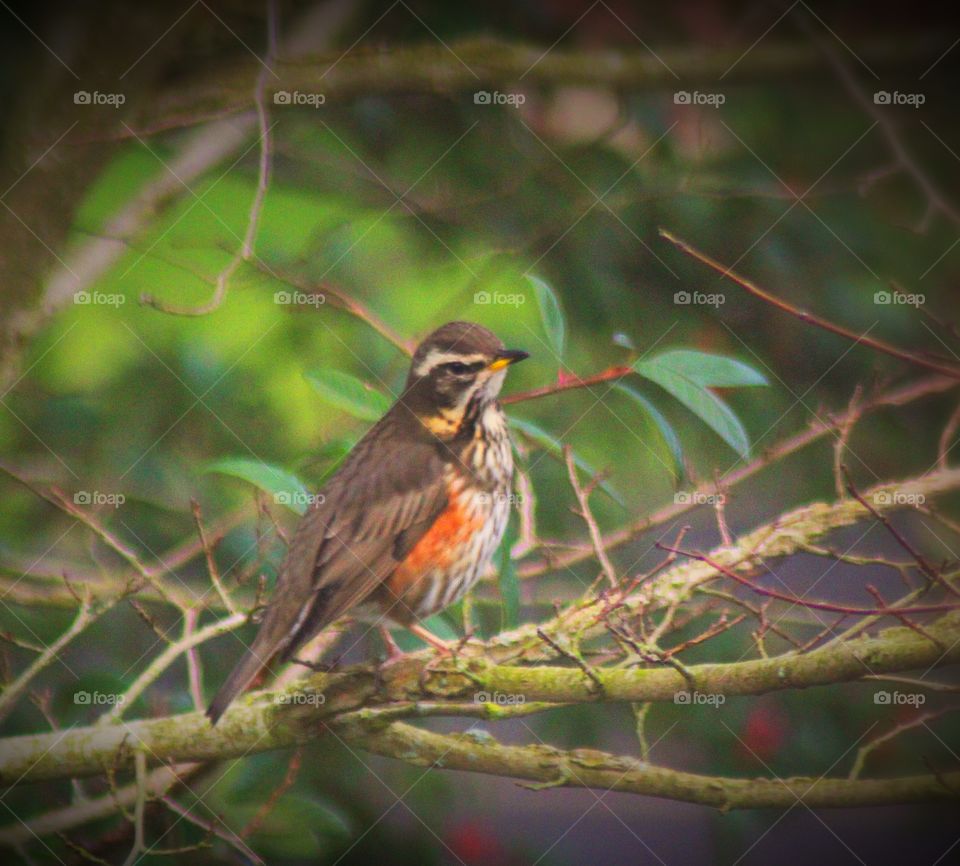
(411, 518)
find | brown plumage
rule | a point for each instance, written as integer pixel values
(408, 522)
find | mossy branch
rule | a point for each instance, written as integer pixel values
(273, 720)
(587, 768)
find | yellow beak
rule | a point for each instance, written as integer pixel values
(505, 358)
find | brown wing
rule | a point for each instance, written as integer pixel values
(386, 495)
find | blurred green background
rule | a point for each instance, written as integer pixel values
(425, 207)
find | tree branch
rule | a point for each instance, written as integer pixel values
(263, 721)
(475, 63)
(588, 768)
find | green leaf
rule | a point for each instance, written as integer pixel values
(555, 447)
(710, 371)
(508, 580)
(329, 456)
(349, 394)
(702, 402)
(667, 433)
(284, 486)
(551, 313)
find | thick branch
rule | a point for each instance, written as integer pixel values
(273, 720)
(477, 63)
(587, 768)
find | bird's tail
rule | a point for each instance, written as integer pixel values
(241, 676)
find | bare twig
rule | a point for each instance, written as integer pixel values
(917, 721)
(844, 429)
(809, 318)
(15, 690)
(583, 498)
(212, 569)
(817, 430)
(918, 557)
(947, 442)
(833, 607)
(139, 845)
(569, 382)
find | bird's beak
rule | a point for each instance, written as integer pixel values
(506, 357)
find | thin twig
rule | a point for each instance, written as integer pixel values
(918, 557)
(917, 721)
(139, 845)
(844, 429)
(834, 607)
(947, 442)
(246, 252)
(583, 498)
(810, 318)
(212, 569)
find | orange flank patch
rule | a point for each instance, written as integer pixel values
(440, 547)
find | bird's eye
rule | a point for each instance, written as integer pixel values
(457, 367)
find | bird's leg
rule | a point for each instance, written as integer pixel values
(428, 637)
(393, 651)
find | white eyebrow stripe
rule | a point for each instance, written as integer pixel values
(435, 357)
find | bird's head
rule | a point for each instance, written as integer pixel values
(456, 371)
